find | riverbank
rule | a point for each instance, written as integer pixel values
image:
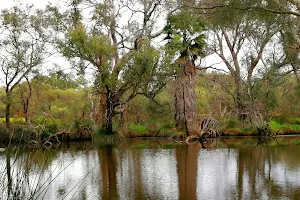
(23, 134)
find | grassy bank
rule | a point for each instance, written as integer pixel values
(19, 132)
(289, 126)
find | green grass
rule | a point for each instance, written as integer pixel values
(284, 128)
(294, 120)
(137, 128)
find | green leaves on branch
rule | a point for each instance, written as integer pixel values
(102, 14)
(184, 34)
(95, 49)
(142, 68)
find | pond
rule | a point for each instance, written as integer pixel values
(227, 168)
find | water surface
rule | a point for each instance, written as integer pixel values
(155, 169)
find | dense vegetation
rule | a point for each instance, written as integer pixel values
(149, 68)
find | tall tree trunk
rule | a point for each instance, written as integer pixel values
(240, 106)
(99, 115)
(109, 114)
(185, 98)
(7, 108)
(27, 101)
(103, 116)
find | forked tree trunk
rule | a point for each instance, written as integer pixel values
(185, 99)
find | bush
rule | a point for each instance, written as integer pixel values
(280, 118)
(278, 128)
(50, 128)
(17, 133)
(20, 120)
(137, 128)
(294, 120)
(230, 123)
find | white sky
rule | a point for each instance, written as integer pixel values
(10, 3)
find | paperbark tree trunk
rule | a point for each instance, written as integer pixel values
(185, 98)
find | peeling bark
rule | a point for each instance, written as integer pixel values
(185, 98)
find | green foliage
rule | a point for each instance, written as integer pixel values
(280, 118)
(100, 132)
(142, 69)
(278, 128)
(96, 49)
(102, 14)
(50, 128)
(82, 127)
(184, 34)
(21, 133)
(58, 79)
(137, 128)
(294, 120)
(58, 100)
(231, 123)
(18, 120)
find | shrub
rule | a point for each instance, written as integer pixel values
(230, 123)
(20, 120)
(294, 120)
(279, 118)
(276, 127)
(137, 128)
(50, 128)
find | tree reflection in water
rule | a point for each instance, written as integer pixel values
(147, 169)
(108, 162)
(187, 170)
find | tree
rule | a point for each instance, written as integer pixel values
(185, 45)
(121, 72)
(244, 42)
(22, 48)
(25, 90)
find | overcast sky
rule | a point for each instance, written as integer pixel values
(10, 3)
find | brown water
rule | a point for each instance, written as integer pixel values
(157, 169)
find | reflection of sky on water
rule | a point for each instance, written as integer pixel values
(284, 176)
(72, 175)
(159, 174)
(217, 174)
(157, 171)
